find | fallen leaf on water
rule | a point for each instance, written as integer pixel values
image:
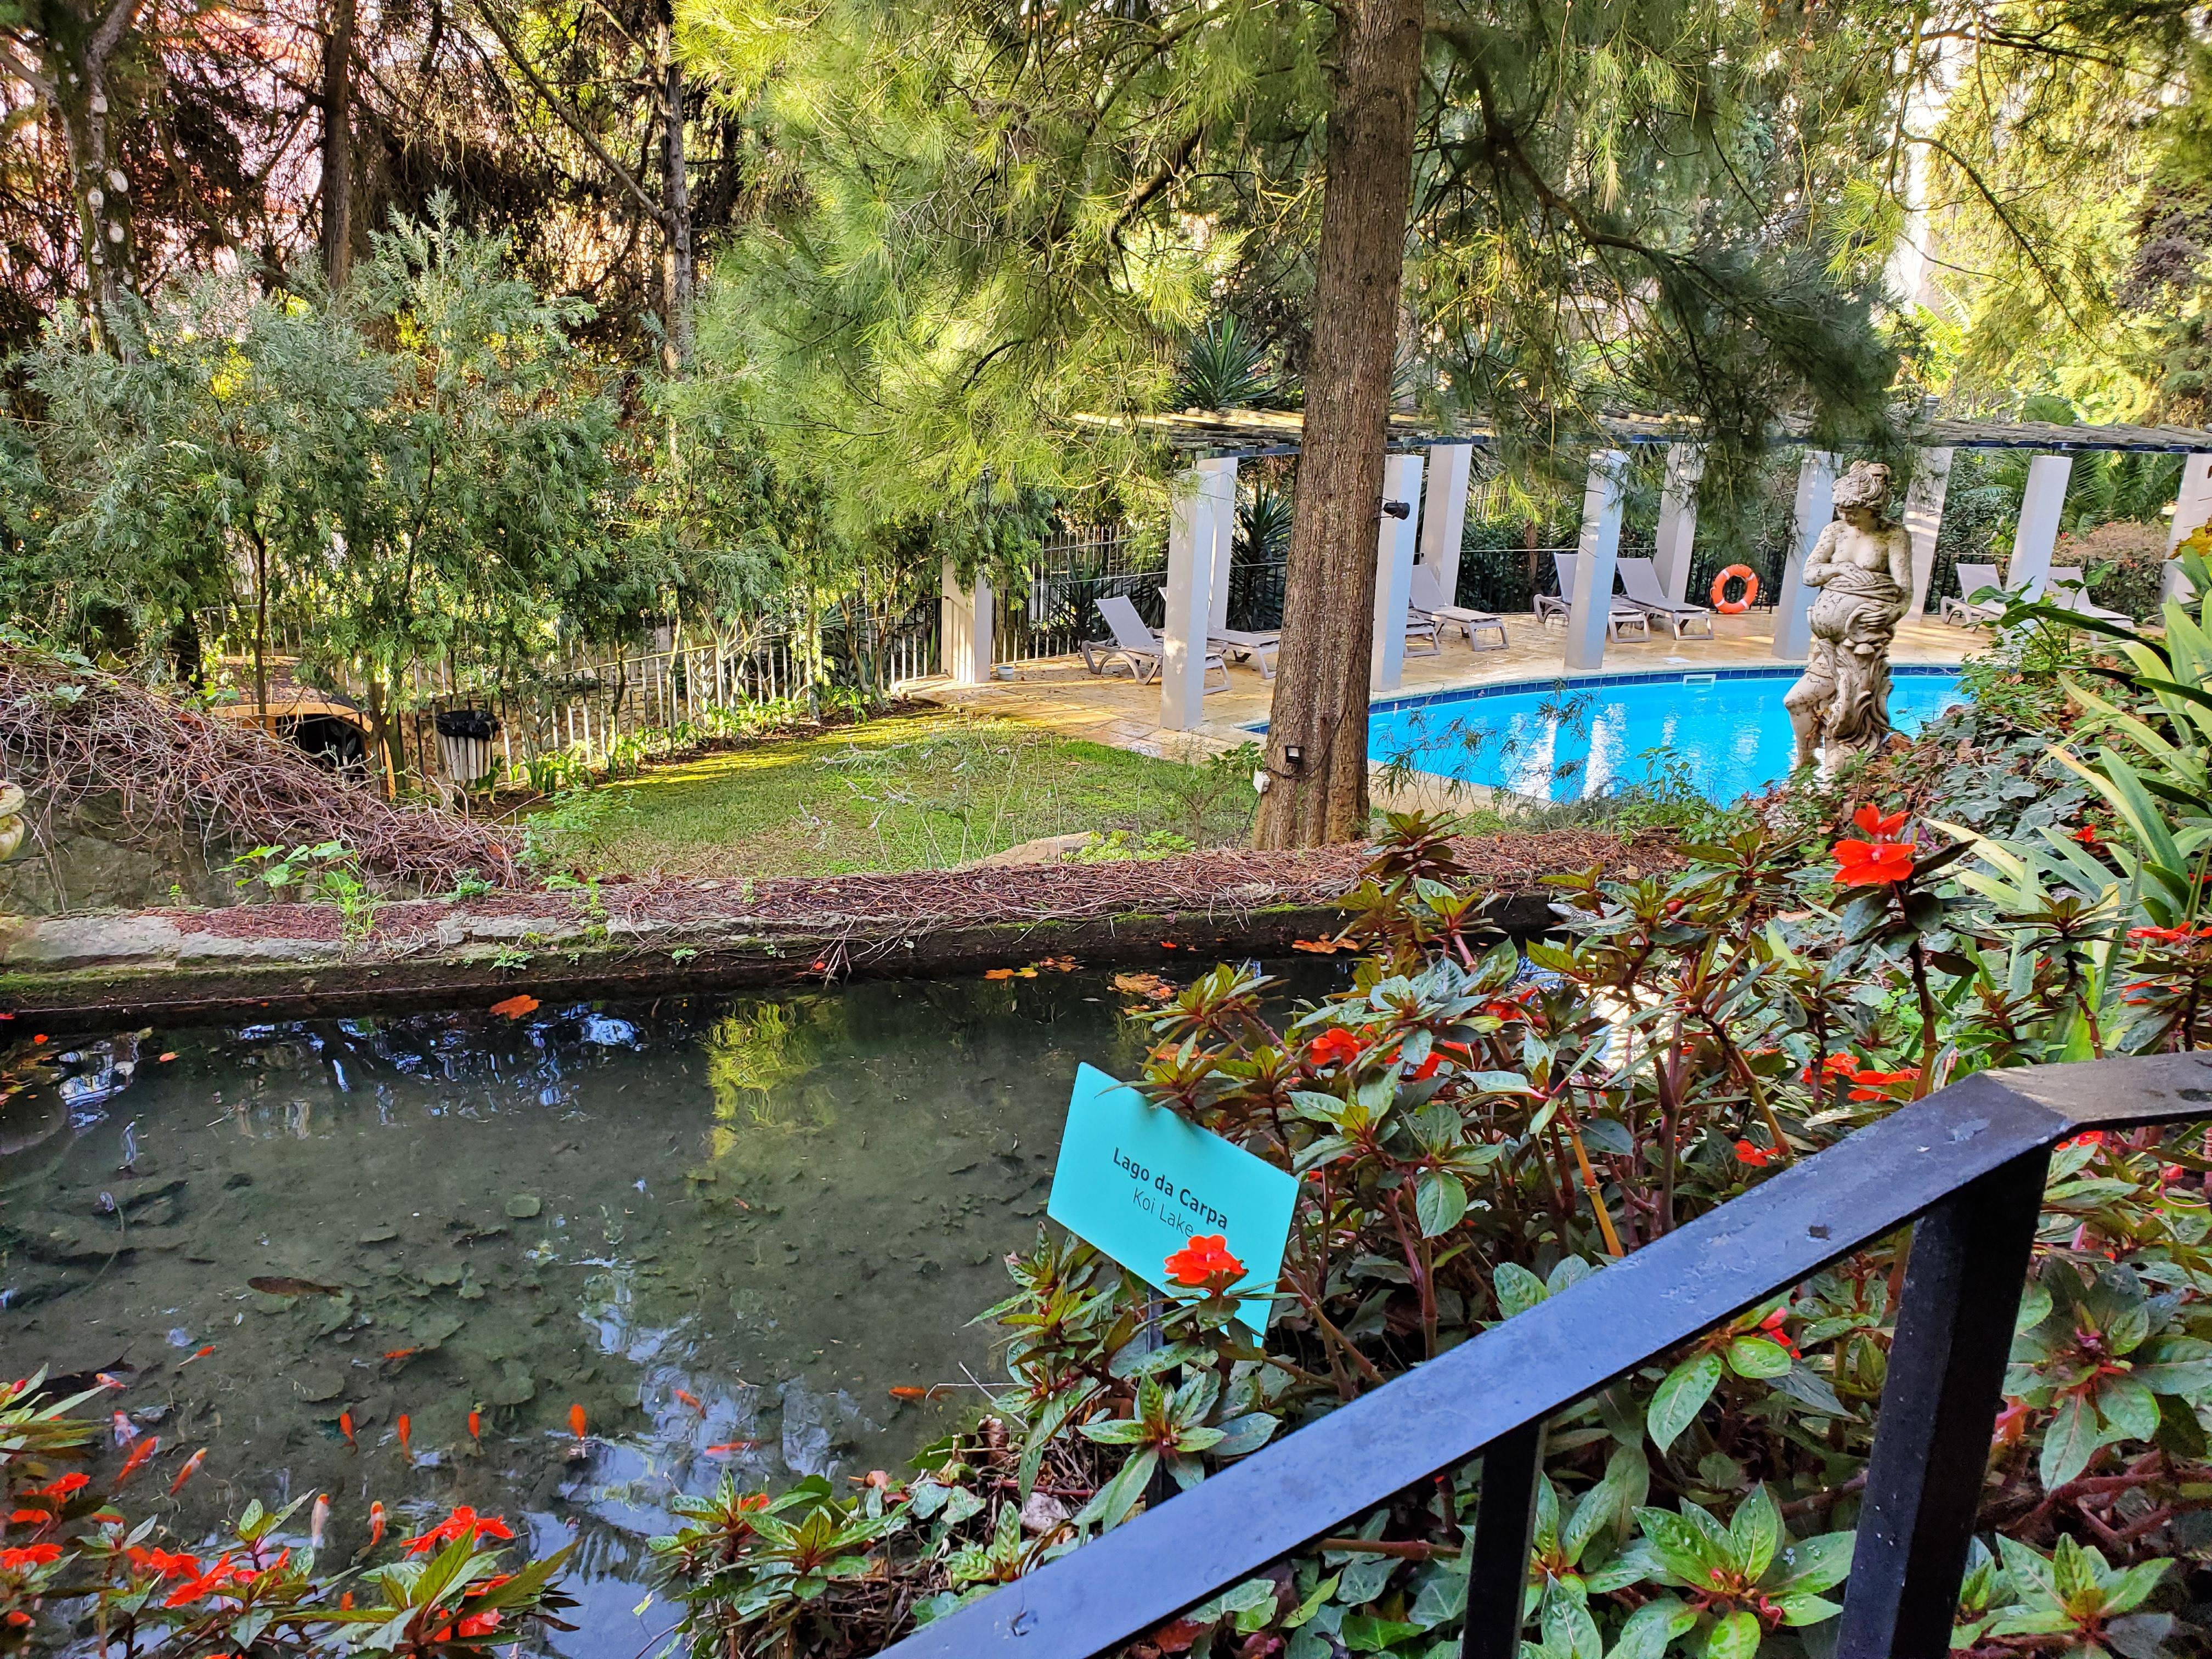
(997, 973)
(286, 1286)
(516, 1006)
(1144, 985)
(1321, 947)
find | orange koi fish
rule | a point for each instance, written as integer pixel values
(130, 1463)
(576, 1421)
(190, 1468)
(198, 1353)
(692, 1400)
(908, 1391)
(318, 1518)
(401, 1353)
(124, 1430)
(345, 1428)
(729, 1446)
(405, 1428)
(375, 1525)
(476, 1426)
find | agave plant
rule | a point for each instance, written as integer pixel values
(1226, 367)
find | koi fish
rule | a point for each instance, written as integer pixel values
(908, 1391)
(197, 1353)
(405, 1428)
(283, 1284)
(476, 1425)
(109, 1380)
(576, 1421)
(190, 1468)
(692, 1400)
(345, 1428)
(401, 1353)
(130, 1463)
(318, 1518)
(123, 1428)
(729, 1446)
(375, 1530)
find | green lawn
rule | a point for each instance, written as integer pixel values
(908, 791)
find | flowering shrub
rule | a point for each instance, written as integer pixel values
(1473, 1131)
(75, 1568)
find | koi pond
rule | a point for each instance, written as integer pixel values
(728, 1229)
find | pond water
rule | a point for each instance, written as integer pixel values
(724, 1228)
(1725, 732)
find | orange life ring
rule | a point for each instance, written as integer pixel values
(1727, 606)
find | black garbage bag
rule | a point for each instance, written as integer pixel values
(477, 723)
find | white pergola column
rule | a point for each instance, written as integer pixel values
(1393, 572)
(2038, 531)
(1189, 594)
(1924, 518)
(1677, 519)
(1597, 558)
(1443, 515)
(1815, 507)
(1221, 493)
(2192, 507)
(967, 620)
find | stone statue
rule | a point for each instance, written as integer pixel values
(1863, 567)
(13, 824)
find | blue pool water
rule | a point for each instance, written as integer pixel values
(1567, 739)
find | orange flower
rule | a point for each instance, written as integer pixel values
(30, 1555)
(209, 1582)
(2087, 1137)
(1872, 864)
(1205, 1264)
(29, 1518)
(1880, 1085)
(1333, 1047)
(63, 1485)
(1749, 1153)
(1772, 1328)
(462, 1522)
(2086, 835)
(165, 1564)
(1879, 825)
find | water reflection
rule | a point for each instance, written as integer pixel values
(724, 1229)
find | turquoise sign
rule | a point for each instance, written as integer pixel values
(1139, 1183)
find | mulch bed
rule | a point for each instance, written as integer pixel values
(1222, 884)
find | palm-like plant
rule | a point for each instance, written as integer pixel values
(1226, 367)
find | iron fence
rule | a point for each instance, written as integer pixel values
(1965, 1168)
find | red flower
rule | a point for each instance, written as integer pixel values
(478, 1623)
(165, 1564)
(1775, 1331)
(2011, 1425)
(2170, 935)
(64, 1485)
(1426, 1070)
(31, 1555)
(18, 1617)
(29, 1518)
(2086, 835)
(1880, 1085)
(1334, 1047)
(205, 1584)
(1872, 864)
(2087, 1137)
(1879, 825)
(462, 1522)
(1205, 1264)
(1757, 1157)
(1842, 1063)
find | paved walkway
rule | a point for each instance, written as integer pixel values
(1056, 693)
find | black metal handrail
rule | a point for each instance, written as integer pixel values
(1968, 1164)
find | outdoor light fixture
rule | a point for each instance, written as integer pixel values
(1399, 509)
(1294, 755)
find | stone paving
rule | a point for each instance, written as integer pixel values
(1057, 693)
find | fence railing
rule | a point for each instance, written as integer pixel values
(1967, 1165)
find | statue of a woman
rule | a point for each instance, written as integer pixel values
(1863, 567)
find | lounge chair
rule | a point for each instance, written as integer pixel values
(1135, 646)
(1428, 601)
(1962, 611)
(1561, 604)
(2068, 586)
(1639, 580)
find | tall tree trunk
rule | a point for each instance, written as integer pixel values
(82, 51)
(681, 267)
(1329, 600)
(338, 145)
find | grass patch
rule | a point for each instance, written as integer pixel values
(907, 792)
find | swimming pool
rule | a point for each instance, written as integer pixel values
(1571, 738)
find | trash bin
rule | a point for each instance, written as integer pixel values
(465, 737)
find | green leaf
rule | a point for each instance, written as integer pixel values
(1686, 1388)
(1800, 1610)
(2129, 1407)
(1812, 1564)
(1439, 1202)
(1756, 1526)
(2069, 1444)
(1758, 1356)
(1242, 1436)
(1735, 1636)
(1363, 1632)
(1516, 1288)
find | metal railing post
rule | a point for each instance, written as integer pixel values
(1939, 1403)
(1505, 1529)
